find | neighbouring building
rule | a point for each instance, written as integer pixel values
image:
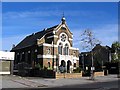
(101, 55)
(51, 48)
(6, 62)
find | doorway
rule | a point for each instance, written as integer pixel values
(68, 66)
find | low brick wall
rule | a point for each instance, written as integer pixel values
(98, 73)
(68, 75)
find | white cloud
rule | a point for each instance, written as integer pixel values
(53, 12)
(29, 14)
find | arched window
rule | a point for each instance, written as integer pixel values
(60, 48)
(66, 49)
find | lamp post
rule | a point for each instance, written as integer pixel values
(83, 61)
(92, 67)
(109, 55)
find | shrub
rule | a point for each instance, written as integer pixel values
(38, 66)
(77, 70)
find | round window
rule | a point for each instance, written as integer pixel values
(63, 37)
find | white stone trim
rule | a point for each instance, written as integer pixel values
(45, 44)
(70, 39)
(53, 32)
(61, 25)
(75, 58)
(63, 43)
(41, 38)
(66, 58)
(52, 36)
(45, 56)
(57, 29)
(72, 36)
(74, 48)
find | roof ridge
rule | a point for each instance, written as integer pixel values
(31, 39)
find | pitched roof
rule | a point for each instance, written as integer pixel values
(31, 39)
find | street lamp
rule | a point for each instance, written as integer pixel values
(83, 61)
(92, 67)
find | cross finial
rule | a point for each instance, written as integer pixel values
(63, 19)
(63, 14)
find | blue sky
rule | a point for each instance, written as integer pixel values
(24, 18)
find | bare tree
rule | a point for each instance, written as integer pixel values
(88, 42)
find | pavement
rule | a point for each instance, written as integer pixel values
(12, 81)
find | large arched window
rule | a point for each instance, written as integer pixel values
(60, 48)
(66, 49)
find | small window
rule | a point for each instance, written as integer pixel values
(66, 49)
(48, 51)
(60, 47)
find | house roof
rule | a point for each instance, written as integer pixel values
(31, 39)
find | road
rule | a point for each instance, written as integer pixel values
(100, 83)
(96, 86)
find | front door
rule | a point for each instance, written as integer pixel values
(68, 66)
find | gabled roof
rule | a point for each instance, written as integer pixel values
(31, 39)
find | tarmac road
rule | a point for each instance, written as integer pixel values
(100, 83)
(96, 86)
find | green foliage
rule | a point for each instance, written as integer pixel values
(116, 48)
(116, 45)
(77, 70)
(115, 61)
(38, 66)
(49, 68)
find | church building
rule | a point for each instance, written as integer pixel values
(51, 48)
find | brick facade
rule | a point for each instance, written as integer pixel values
(44, 48)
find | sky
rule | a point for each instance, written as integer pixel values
(24, 18)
